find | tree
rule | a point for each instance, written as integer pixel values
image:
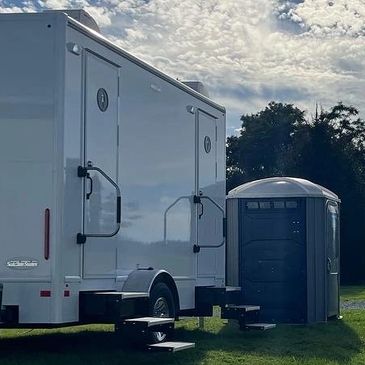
(328, 150)
(264, 144)
(334, 156)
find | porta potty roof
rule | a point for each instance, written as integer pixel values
(281, 187)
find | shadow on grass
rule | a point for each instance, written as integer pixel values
(333, 341)
(352, 292)
(83, 347)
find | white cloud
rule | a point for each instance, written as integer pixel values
(331, 17)
(245, 51)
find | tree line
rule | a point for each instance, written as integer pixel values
(327, 148)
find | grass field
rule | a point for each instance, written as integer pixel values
(337, 342)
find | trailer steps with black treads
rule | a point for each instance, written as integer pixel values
(259, 326)
(152, 323)
(243, 307)
(170, 346)
(232, 288)
(215, 295)
(242, 312)
(109, 306)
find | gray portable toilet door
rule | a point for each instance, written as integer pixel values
(333, 255)
(101, 109)
(209, 230)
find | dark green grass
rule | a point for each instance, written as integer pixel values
(337, 342)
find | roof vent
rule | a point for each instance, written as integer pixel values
(197, 86)
(81, 16)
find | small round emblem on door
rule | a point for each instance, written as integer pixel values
(207, 144)
(102, 99)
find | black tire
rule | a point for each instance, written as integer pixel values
(161, 304)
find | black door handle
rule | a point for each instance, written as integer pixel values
(119, 209)
(91, 186)
(329, 264)
(202, 211)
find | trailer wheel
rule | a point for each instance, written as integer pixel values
(161, 305)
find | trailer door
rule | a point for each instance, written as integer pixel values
(101, 84)
(209, 216)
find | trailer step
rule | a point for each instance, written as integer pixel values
(233, 289)
(242, 312)
(260, 326)
(110, 306)
(215, 295)
(243, 307)
(170, 346)
(144, 323)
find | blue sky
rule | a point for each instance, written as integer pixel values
(247, 52)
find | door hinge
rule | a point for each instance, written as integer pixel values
(80, 238)
(81, 171)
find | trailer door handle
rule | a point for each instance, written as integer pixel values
(88, 177)
(119, 209)
(329, 264)
(202, 209)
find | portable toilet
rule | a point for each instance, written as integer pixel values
(283, 248)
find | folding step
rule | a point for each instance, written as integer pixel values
(146, 323)
(170, 346)
(233, 288)
(214, 295)
(243, 307)
(111, 306)
(259, 326)
(240, 312)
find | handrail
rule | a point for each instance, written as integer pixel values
(190, 197)
(82, 172)
(223, 213)
(166, 211)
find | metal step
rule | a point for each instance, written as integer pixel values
(110, 306)
(260, 326)
(243, 307)
(215, 295)
(233, 288)
(170, 346)
(243, 313)
(144, 323)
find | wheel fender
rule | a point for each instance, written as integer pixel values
(143, 281)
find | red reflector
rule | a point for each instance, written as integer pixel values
(66, 293)
(45, 293)
(46, 233)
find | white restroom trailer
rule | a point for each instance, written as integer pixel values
(112, 179)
